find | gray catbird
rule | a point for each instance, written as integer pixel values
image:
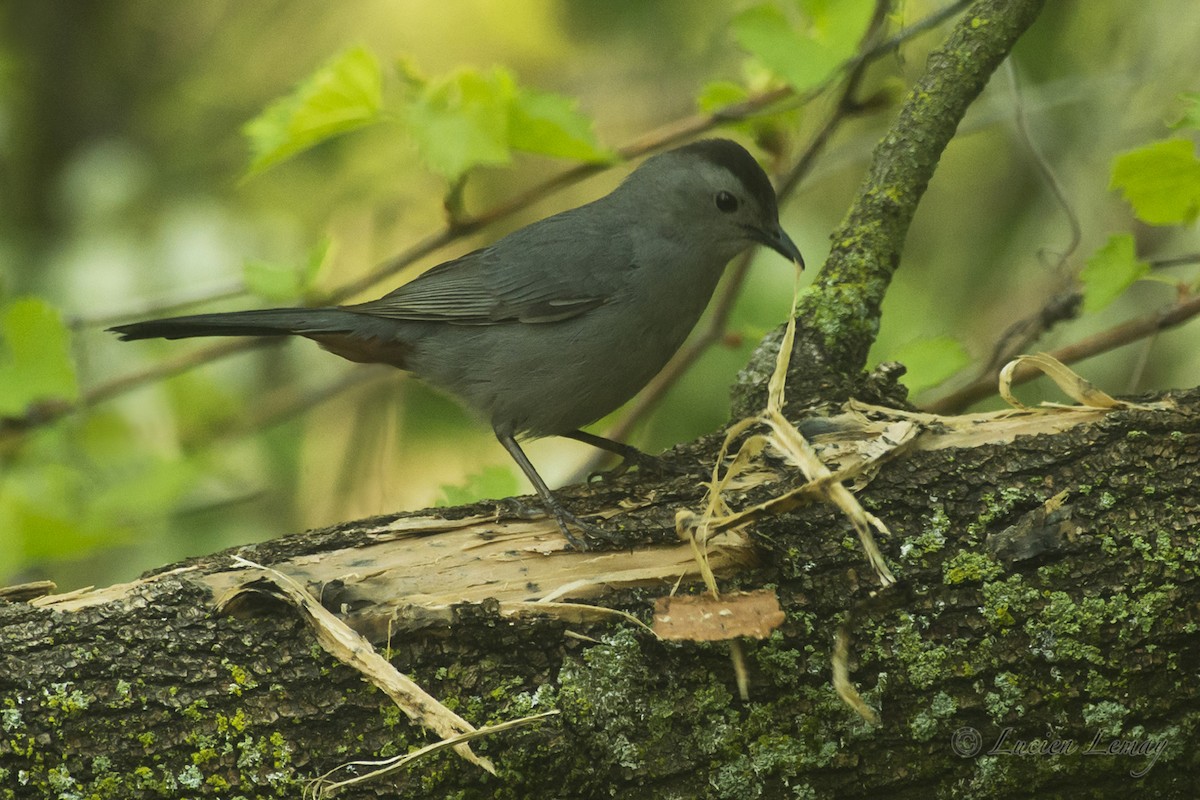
(562, 321)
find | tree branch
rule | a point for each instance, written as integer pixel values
(838, 319)
(1050, 588)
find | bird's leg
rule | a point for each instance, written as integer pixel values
(564, 518)
(630, 455)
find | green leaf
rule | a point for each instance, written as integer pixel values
(462, 121)
(1161, 181)
(472, 118)
(931, 361)
(491, 482)
(1190, 116)
(35, 356)
(762, 128)
(341, 96)
(284, 281)
(803, 59)
(551, 124)
(719, 94)
(1110, 271)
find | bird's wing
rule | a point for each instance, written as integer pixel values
(535, 275)
(462, 292)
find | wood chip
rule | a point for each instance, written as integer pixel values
(700, 618)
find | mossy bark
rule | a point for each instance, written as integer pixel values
(1077, 625)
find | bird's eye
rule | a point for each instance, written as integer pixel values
(726, 202)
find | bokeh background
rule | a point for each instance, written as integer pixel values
(124, 191)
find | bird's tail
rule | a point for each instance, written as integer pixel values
(264, 322)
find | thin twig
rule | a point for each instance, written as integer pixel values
(1140, 364)
(1061, 306)
(1177, 261)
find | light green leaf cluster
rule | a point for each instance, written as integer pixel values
(465, 119)
(473, 118)
(77, 488)
(551, 124)
(1161, 182)
(343, 95)
(803, 55)
(460, 121)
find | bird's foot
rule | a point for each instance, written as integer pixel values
(515, 508)
(568, 523)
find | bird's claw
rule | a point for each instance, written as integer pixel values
(591, 533)
(566, 521)
(516, 508)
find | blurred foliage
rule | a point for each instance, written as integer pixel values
(1110, 271)
(1189, 117)
(285, 282)
(494, 481)
(931, 361)
(472, 118)
(36, 362)
(129, 190)
(806, 54)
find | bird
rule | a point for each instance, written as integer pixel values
(560, 322)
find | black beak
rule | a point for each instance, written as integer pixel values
(778, 240)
